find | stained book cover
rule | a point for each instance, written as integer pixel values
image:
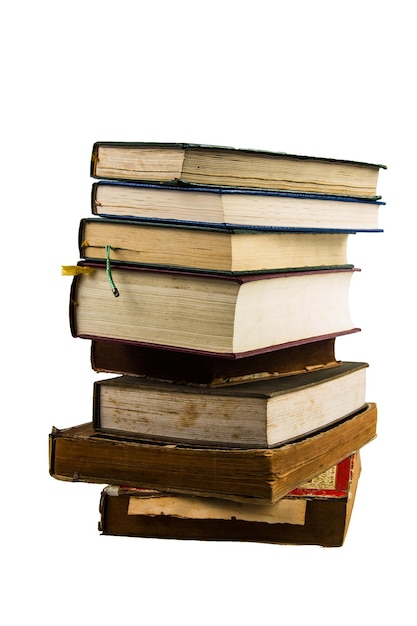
(264, 476)
(316, 513)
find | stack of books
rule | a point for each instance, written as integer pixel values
(214, 282)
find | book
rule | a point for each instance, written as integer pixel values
(209, 313)
(316, 513)
(118, 357)
(236, 207)
(186, 163)
(257, 414)
(80, 454)
(222, 250)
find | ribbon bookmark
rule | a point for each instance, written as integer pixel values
(109, 274)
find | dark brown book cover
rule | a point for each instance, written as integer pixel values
(321, 515)
(258, 475)
(116, 357)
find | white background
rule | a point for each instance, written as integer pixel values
(332, 79)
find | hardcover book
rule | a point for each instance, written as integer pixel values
(249, 208)
(258, 414)
(118, 357)
(316, 513)
(261, 476)
(209, 313)
(230, 167)
(223, 250)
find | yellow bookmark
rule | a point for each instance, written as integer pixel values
(76, 270)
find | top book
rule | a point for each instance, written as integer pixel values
(196, 164)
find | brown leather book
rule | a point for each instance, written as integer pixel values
(258, 475)
(118, 357)
(316, 513)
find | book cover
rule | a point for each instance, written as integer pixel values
(118, 357)
(317, 513)
(79, 454)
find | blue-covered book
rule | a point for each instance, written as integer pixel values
(217, 206)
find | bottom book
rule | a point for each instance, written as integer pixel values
(316, 513)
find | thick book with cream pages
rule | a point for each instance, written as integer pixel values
(207, 313)
(222, 249)
(260, 413)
